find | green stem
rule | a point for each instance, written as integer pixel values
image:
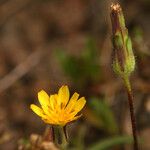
(131, 106)
(60, 137)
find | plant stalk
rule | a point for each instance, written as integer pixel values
(132, 113)
(60, 137)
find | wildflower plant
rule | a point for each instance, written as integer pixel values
(59, 109)
(123, 58)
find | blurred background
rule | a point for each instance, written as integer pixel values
(45, 44)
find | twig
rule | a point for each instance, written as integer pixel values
(21, 70)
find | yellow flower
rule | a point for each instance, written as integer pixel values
(58, 109)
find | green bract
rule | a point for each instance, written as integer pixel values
(123, 56)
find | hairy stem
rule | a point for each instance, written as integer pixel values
(132, 115)
(60, 137)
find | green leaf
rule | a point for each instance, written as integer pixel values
(81, 68)
(69, 64)
(105, 114)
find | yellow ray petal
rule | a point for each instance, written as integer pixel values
(63, 96)
(75, 118)
(53, 101)
(49, 121)
(77, 107)
(37, 110)
(43, 98)
(72, 102)
(79, 104)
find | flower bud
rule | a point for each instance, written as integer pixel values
(123, 57)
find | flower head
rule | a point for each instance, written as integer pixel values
(123, 56)
(58, 109)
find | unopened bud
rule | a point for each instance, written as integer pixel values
(123, 57)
